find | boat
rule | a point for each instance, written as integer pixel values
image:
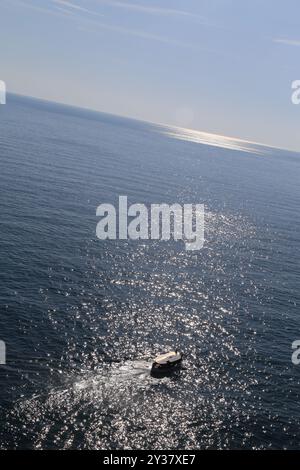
(165, 363)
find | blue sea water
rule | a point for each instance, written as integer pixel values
(82, 318)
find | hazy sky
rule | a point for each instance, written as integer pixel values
(222, 66)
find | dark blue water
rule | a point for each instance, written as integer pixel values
(82, 318)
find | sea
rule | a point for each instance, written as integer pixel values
(82, 318)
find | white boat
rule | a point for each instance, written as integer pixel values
(166, 362)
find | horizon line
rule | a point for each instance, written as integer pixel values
(75, 106)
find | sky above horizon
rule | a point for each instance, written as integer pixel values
(220, 66)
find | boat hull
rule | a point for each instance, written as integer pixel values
(165, 369)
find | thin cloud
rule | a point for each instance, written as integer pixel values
(37, 8)
(133, 32)
(74, 11)
(151, 9)
(65, 3)
(288, 42)
(74, 6)
(63, 8)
